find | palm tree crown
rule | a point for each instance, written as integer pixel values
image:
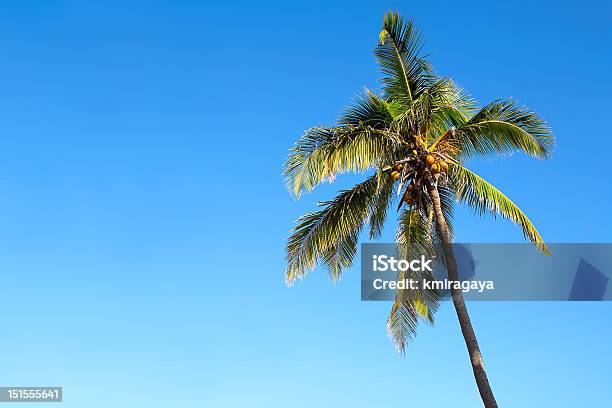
(415, 136)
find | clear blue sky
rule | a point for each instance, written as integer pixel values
(143, 214)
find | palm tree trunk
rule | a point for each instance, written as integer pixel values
(462, 313)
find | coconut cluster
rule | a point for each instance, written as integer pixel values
(409, 195)
(436, 164)
(395, 171)
(417, 166)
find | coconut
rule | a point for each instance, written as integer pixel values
(395, 175)
(444, 166)
(435, 168)
(430, 159)
(398, 167)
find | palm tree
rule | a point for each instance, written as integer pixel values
(416, 137)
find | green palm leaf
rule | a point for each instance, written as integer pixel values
(369, 110)
(398, 54)
(324, 152)
(331, 233)
(483, 197)
(380, 204)
(503, 127)
(409, 306)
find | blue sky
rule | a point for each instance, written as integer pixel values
(143, 214)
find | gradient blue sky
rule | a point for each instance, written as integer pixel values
(143, 215)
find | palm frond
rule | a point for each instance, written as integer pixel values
(440, 105)
(413, 231)
(331, 233)
(370, 110)
(484, 198)
(503, 127)
(398, 54)
(403, 319)
(413, 239)
(380, 204)
(448, 105)
(324, 152)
